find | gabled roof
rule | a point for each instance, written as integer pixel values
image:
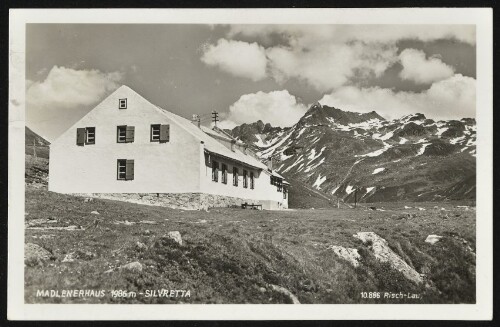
(211, 144)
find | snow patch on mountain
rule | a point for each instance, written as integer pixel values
(376, 153)
(422, 149)
(378, 170)
(320, 180)
(457, 140)
(308, 169)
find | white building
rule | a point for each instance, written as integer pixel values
(130, 149)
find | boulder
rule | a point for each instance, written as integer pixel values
(351, 255)
(383, 253)
(95, 212)
(34, 254)
(432, 239)
(175, 236)
(70, 257)
(135, 266)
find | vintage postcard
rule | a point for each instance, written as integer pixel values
(273, 163)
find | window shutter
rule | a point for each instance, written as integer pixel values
(129, 135)
(80, 136)
(164, 133)
(129, 175)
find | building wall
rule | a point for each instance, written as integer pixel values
(264, 193)
(159, 167)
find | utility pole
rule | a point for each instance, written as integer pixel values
(215, 117)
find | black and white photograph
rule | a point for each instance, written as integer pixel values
(216, 162)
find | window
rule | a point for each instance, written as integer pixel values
(85, 136)
(155, 133)
(224, 173)
(125, 134)
(125, 169)
(279, 184)
(215, 171)
(245, 181)
(272, 180)
(252, 182)
(122, 104)
(90, 135)
(235, 176)
(160, 133)
(285, 191)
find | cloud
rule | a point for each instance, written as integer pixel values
(330, 65)
(312, 34)
(64, 96)
(452, 98)
(279, 108)
(238, 58)
(421, 70)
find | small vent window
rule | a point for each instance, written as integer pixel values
(122, 104)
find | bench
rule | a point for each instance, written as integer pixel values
(251, 206)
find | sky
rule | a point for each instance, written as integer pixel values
(249, 72)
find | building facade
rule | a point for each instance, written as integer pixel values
(127, 148)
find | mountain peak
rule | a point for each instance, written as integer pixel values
(320, 114)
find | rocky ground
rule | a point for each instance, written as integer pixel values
(248, 256)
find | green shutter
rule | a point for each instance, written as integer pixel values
(129, 135)
(129, 175)
(80, 136)
(164, 133)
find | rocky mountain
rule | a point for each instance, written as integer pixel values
(346, 154)
(257, 133)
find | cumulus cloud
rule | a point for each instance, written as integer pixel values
(454, 97)
(422, 70)
(279, 108)
(327, 66)
(238, 58)
(53, 103)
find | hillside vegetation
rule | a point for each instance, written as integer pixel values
(242, 256)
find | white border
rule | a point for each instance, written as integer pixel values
(482, 310)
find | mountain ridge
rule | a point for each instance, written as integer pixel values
(412, 158)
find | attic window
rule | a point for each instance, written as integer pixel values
(122, 104)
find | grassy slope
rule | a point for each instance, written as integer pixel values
(42, 145)
(228, 258)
